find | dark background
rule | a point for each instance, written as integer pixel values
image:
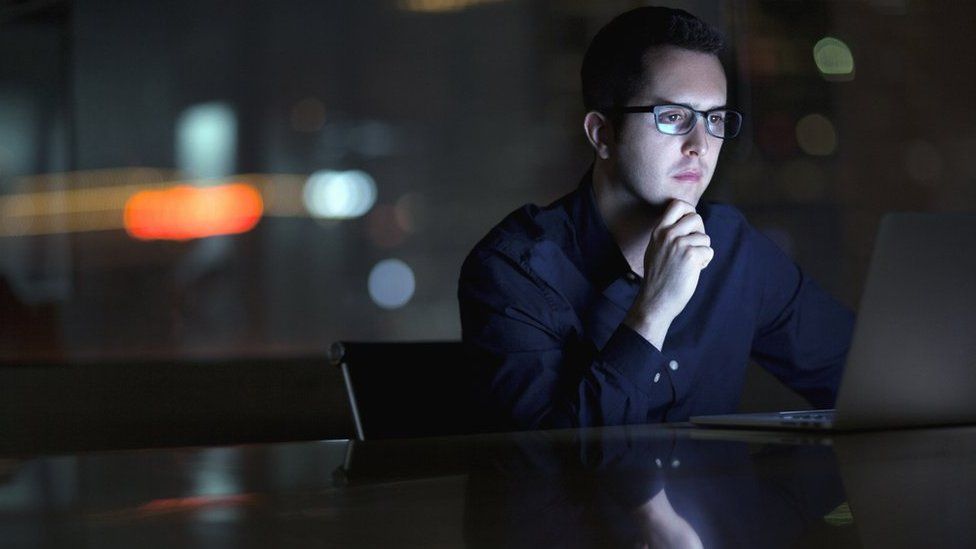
(460, 110)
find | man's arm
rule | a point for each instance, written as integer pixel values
(678, 250)
(803, 334)
(533, 370)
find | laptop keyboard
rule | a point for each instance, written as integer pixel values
(813, 416)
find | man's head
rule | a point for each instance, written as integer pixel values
(653, 56)
(613, 67)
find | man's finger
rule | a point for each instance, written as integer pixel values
(675, 210)
(705, 255)
(694, 239)
(689, 223)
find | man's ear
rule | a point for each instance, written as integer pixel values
(599, 132)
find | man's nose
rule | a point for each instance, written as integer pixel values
(696, 141)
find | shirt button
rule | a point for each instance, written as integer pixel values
(657, 377)
(673, 365)
(631, 277)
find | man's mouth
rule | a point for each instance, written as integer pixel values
(691, 176)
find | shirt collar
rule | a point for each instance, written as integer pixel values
(602, 259)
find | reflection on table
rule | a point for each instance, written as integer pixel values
(655, 486)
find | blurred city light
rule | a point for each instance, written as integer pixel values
(833, 59)
(185, 212)
(391, 283)
(206, 141)
(168, 506)
(339, 194)
(816, 136)
(18, 133)
(90, 200)
(95, 200)
(435, 6)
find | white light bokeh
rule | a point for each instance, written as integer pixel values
(206, 141)
(391, 283)
(339, 195)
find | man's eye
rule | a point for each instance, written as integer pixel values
(673, 117)
(716, 118)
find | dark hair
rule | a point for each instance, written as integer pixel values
(613, 64)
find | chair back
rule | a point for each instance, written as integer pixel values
(406, 389)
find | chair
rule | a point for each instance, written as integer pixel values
(406, 389)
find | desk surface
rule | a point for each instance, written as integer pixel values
(618, 487)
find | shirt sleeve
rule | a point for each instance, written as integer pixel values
(803, 334)
(534, 371)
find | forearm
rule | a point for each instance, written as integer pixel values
(623, 383)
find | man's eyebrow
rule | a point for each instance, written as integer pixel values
(697, 107)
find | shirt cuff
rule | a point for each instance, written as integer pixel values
(634, 357)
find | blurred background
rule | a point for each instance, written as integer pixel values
(216, 178)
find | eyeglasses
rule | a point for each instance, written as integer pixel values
(681, 119)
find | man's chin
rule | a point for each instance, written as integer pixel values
(690, 198)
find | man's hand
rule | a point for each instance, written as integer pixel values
(678, 251)
(660, 526)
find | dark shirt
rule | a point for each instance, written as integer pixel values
(544, 294)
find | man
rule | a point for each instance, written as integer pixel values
(627, 300)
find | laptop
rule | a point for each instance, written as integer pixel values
(912, 360)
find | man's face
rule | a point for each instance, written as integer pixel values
(656, 167)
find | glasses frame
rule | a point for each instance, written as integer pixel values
(702, 114)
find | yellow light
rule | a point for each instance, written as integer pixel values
(95, 200)
(440, 6)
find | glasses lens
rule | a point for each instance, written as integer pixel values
(724, 124)
(674, 119)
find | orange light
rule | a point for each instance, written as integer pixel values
(195, 502)
(185, 212)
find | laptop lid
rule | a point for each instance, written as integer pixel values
(913, 356)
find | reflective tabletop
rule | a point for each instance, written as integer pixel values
(655, 486)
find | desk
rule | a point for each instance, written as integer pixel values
(574, 488)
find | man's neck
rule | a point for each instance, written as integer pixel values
(629, 218)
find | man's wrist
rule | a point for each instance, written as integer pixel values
(650, 323)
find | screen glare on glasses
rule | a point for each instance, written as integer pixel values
(681, 119)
